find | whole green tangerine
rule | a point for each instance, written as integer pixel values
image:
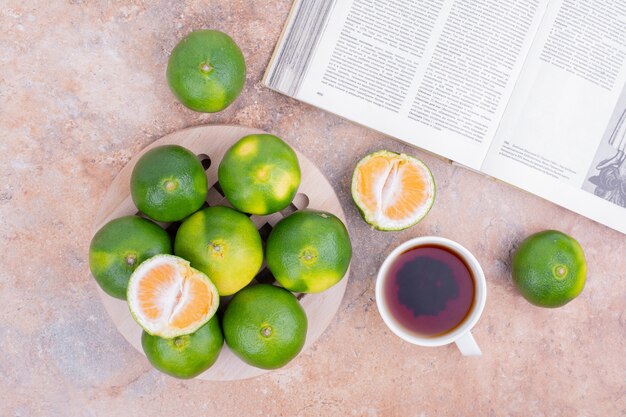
(206, 71)
(259, 174)
(549, 268)
(168, 183)
(265, 326)
(308, 251)
(224, 244)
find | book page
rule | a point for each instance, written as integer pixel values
(563, 135)
(436, 74)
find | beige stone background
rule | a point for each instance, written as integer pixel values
(82, 89)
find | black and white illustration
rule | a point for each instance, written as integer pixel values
(607, 175)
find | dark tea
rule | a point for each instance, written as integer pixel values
(429, 290)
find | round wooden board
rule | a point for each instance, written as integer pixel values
(210, 143)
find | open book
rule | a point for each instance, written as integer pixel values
(532, 92)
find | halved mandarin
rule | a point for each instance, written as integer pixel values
(169, 298)
(392, 191)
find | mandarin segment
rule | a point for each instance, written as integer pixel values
(155, 283)
(403, 203)
(195, 308)
(370, 180)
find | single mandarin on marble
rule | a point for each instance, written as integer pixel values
(206, 71)
(549, 268)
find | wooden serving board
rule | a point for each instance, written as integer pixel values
(210, 143)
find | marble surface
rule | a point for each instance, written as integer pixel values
(82, 89)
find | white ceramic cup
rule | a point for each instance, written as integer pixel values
(461, 335)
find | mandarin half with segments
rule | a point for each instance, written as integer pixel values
(392, 191)
(169, 298)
